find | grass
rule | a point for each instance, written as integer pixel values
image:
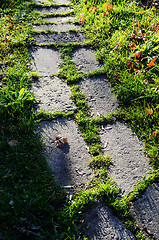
(125, 37)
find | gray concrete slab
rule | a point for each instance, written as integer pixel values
(69, 164)
(56, 27)
(85, 59)
(59, 19)
(55, 9)
(53, 94)
(104, 225)
(100, 97)
(45, 60)
(72, 37)
(129, 162)
(62, 1)
(145, 211)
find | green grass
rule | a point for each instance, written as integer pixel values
(33, 206)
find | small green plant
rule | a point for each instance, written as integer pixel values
(100, 161)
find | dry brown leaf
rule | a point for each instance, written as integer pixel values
(60, 141)
(13, 143)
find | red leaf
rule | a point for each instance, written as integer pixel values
(129, 63)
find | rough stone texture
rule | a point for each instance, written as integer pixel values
(56, 27)
(85, 59)
(103, 224)
(56, 9)
(52, 94)
(99, 95)
(44, 60)
(62, 1)
(59, 19)
(129, 162)
(146, 210)
(72, 37)
(42, 1)
(70, 164)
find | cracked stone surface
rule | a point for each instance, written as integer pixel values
(56, 27)
(99, 95)
(129, 162)
(45, 60)
(52, 94)
(69, 164)
(59, 19)
(56, 9)
(73, 37)
(85, 59)
(145, 210)
(103, 224)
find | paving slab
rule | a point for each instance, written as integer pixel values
(129, 162)
(59, 19)
(56, 27)
(52, 94)
(85, 59)
(42, 1)
(103, 224)
(145, 211)
(55, 9)
(45, 60)
(69, 164)
(72, 37)
(100, 97)
(62, 1)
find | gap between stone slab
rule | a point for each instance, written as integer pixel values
(129, 162)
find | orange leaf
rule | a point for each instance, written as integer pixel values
(138, 55)
(133, 46)
(108, 7)
(154, 133)
(94, 10)
(10, 25)
(129, 63)
(149, 111)
(82, 21)
(152, 63)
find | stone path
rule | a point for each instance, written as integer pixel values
(70, 164)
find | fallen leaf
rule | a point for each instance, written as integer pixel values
(129, 63)
(133, 46)
(94, 10)
(10, 25)
(82, 21)
(13, 143)
(108, 7)
(60, 141)
(139, 55)
(154, 134)
(152, 63)
(149, 111)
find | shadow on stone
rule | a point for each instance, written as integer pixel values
(145, 211)
(103, 224)
(69, 164)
